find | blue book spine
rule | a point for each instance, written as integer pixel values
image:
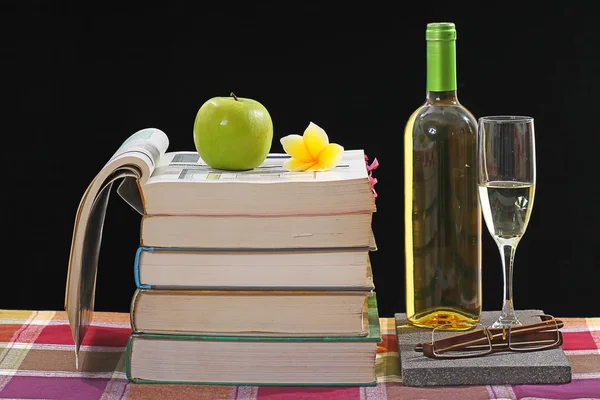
(136, 267)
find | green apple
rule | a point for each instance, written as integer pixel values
(233, 133)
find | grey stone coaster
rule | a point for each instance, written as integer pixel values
(500, 368)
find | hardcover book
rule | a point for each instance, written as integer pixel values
(256, 312)
(308, 269)
(182, 184)
(328, 231)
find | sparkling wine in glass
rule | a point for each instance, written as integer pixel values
(506, 180)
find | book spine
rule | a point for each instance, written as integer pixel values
(136, 267)
(132, 311)
(128, 360)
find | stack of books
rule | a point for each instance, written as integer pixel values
(259, 277)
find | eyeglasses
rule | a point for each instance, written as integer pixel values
(480, 340)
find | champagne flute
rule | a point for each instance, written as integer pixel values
(506, 180)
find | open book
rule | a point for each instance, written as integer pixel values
(135, 159)
(157, 182)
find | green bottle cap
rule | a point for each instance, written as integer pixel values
(441, 56)
(440, 31)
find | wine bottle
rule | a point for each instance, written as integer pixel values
(442, 215)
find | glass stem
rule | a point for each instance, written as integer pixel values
(507, 253)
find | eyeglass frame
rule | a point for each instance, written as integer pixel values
(535, 332)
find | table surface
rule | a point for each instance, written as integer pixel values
(37, 361)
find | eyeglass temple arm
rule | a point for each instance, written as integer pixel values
(460, 340)
(553, 337)
(537, 326)
(534, 328)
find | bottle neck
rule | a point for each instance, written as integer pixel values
(447, 97)
(441, 69)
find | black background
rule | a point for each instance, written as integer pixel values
(77, 82)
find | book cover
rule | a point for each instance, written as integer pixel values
(373, 336)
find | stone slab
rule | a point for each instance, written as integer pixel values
(500, 368)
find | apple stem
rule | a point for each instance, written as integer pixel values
(233, 95)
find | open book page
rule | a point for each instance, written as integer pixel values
(135, 159)
(189, 167)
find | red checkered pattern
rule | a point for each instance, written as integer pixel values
(37, 361)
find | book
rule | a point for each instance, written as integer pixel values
(266, 231)
(182, 184)
(255, 360)
(171, 268)
(253, 312)
(154, 181)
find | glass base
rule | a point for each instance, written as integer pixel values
(504, 321)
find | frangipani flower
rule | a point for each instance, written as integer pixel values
(311, 151)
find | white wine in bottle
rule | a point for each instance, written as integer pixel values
(442, 216)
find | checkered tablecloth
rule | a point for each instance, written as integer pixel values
(37, 361)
